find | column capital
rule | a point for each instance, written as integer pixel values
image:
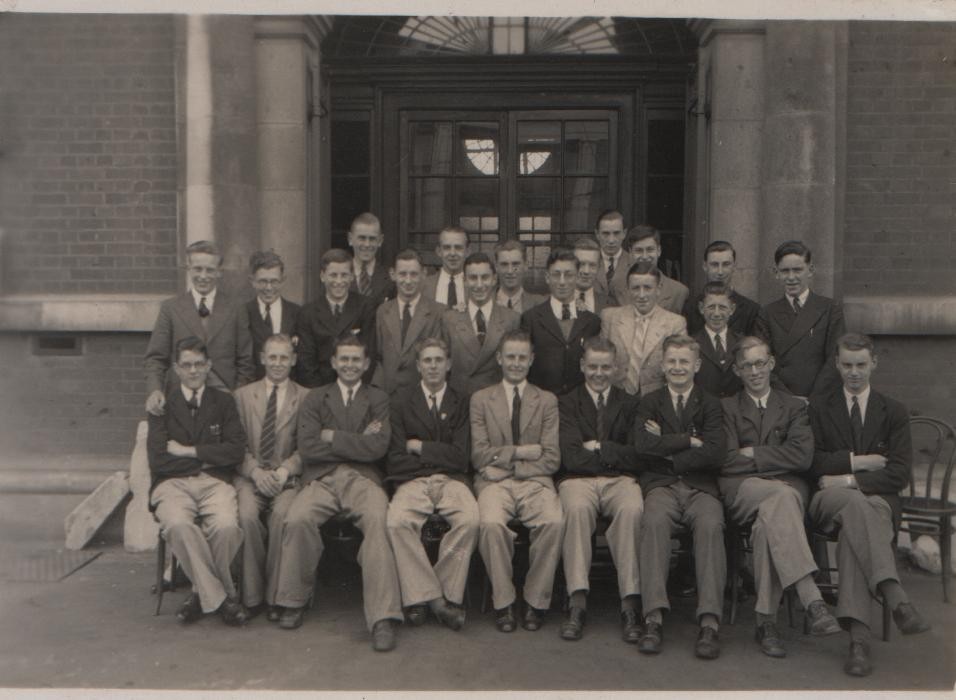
(707, 29)
(311, 29)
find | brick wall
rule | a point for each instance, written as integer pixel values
(901, 165)
(88, 153)
(919, 372)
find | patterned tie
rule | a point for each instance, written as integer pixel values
(267, 441)
(856, 424)
(719, 347)
(267, 317)
(364, 283)
(582, 302)
(516, 418)
(511, 303)
(452, 292)
(680, 410)
(203, 309)
(337, 310)
(760, 409)
(601, 417)
(348, 398)
(434, 408)
(193, 403)
(406, 320)
(565, 312)
(796, 305)
(610, 271)
(480, 327)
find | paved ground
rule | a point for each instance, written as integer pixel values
(96, 629)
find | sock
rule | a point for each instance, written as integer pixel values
(655, 616)
(893, 593)
(709, 620)
(630, 602)
(579, 599)
(808, 591)
(859, 632)
(761, 618)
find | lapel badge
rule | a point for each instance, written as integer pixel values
(215, 429)
(444, 416)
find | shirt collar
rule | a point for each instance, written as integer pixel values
(344, 390)
(557, 308)
(722, 334)
(357, 266)
(764, 399)
(616, 258)
(509, 388)
(439, 395)
(594, 394)
(333, 303)
(802, 297)
(862, 398)
(282, 385)
(503, 296)
(486, 309)
(187, 393)
(413, 302)
(444, 276)
(648, 316)
(210, 298)
(685, 394)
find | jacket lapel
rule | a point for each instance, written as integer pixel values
(466, 334)
(549, 322)
(529, 406)
(804, 321)
(655, 332)
(836, 408)
(872, 422)
(499, 413)
(668, 414)
(288, 317)
(358, 409)
(290, 407)
(771, 414)
(615, 402)
(423, 314)
(587, 412)
(748, 412)
(221, 312)
(392, 310)
(496, 329)
(187, 312)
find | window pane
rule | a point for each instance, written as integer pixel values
(431, 148)
(539, 148)
(429, 203)
(584, 199)
(665, 202)
(350, 148)
(538, 204)
(478, 204)
(586, 148)
(478, 148)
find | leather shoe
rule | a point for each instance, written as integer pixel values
(532, 618)
(273, 613)
(233, 612)
(769, 640)
(908, 620)
(383, 635)
(821, 619)
(652, 638)
(572, 629)
(858, 660)
(416, 615)
(631, 629)
(451, 615)
(190, 610)
(708, 644)
(505, 619)
(291, 618)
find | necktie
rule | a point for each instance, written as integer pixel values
(267, 441)
(348, 398)
(434, 407)
(203, 309)
(267, 317)
(601, 417)
(796, 305)
(452, 292)
(565, 312)
(337, 310)
(364, 282)
(511, 303)
(610, 271)
(406, 320)
(680, 410)
(856, 424)
(760, 409)
(719, 347)
(480, 328)
(516, 418)
(193, 403)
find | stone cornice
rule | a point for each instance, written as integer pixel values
(707, 29)
(79, 313)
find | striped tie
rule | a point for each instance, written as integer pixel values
(267, 442)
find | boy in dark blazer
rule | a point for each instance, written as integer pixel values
(370, 276)
(269, 313)
(720, 263)
(801, 328)
(862, 460)
(717, 340)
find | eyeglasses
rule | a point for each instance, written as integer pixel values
(756, 364)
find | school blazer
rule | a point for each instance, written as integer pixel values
(579, 425)
(672, 297)
(742, 320)
(475, 366)
(260, 330)
(557, 362)
(251, 401)
(318, 329)
(396, 361)
(715, 377)
(639, 368)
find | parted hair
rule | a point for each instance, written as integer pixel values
(190, 344)
(334, 255)
(608, 215)
(509, 245)
(349, 340)
(716, 289)
(719, 247)
(644, 267)
(366, 219)
(516, 335)
(587, 244)
(681, 340)
(563, 255)
(639, 233)
(454, 229)
(856, 341)
(598, 344)
(279, 338)
(792, 248)
(265, 260)
(747, 343)
(409, 254)
(207, 247)
(479, 258)
(431, 342)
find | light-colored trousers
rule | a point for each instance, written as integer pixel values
(205, 551)
(344, 490)
(864, 549)
(261, 542)
(781, 553)
(538, 508)
(411, 505)
(583, 499)
(666, 508)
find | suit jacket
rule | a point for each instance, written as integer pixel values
(579, 425)
(260, 330)
(350, 446)
(618, 280)
(742, 321)
(803, 345)
(396, 361)
(226, 335)
(381, 287)
(528, 300)
(251, 400)
(318, 329)
(445, 442)
(430, 288)
(475, 366)
(672, 297)
(716, 377)
(886, 431)
(215, 431)
(695, 466)
(491, 446)
(557, 362)
(639, 368)
(782, 442)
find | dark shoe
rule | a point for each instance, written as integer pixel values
(652, 638)
(191, 609)
(821, 619)
(383, 635)
(572, 629)
(708, 644)
(909, 620)
(532, 618)
(505, 619)
(416, 615)
(255, 610)
(858, 660)
(291, 618)
(769, 640)
(233, 613)
(631, 629)
(451, 615)
(273, 614)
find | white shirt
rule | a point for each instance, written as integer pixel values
(210, 299)
(275, 313)
(862, 399)
(607, 261)
(714, 336)
(187, 393)
(439, 395)
(510, 393)
(485, 310)
(557, 308)
(345, 391)
(674, 395)
(332, 304)
(502, 297)
(595, 394)
(357, 268)
(401, 306)
(280, 393)
(760, 402)
(441, 289)
(802, 297)
(588, 298)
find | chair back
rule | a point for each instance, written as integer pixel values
(934, 449)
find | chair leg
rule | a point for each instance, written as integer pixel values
(160, 570)
(734, 577)
(886, 619)
(945, 551)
